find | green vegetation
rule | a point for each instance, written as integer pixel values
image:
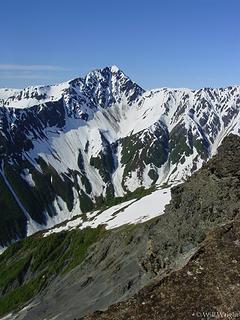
(153, 175)
(31, 197)
(139, 151)
(130, 153)
(16, 298)
(104, 163)
(12, 272)
(201, 148)
(86, 184)
(86, 203)
(42, 259)
(36, 199)
(7, 201)
(140, 192)
(81, 161)
(62, 186)
(10, 212)
(178, 146)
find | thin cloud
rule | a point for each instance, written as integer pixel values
(26, 76)
(33, 67)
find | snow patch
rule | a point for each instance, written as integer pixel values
(129, 212)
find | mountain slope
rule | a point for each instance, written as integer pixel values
(209, 286)
(71, 148)
(70, 274)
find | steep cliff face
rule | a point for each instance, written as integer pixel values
(70, 148)
(102, 267)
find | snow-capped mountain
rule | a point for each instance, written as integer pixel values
(67, 149)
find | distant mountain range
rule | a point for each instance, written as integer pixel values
(72, 148)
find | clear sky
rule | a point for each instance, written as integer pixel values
(174, 43)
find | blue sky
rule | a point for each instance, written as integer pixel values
(174, 43)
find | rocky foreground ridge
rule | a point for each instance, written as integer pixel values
(206, 288)
(71, 274)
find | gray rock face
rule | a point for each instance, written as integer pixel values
(207, 287)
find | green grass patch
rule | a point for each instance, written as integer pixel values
(42, 259)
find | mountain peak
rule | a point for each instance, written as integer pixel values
(114, 68)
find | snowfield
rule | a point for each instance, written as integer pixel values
(103, 135)
(129, 212)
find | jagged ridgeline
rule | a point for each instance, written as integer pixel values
(70, 274)
(70, 148)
